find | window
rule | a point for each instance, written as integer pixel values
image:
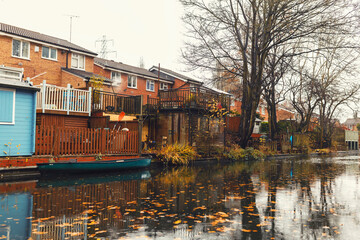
(10, 74)
(49, 53)
(232, 102)
(20, 49)
(7, 106)
(164, 86)
(192, 88)
(150, 85)
(116, 77)
(132, 81)
(77, 61)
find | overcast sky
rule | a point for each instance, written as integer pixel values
(151, 29)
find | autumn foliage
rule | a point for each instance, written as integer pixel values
(177, 154)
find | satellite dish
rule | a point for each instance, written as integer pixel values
(121, 116)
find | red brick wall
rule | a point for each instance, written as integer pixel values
(236, 107)
(102, 72)
(179, 83)
(36, 64)
(122, 88)
(282, 114)
(75, 81)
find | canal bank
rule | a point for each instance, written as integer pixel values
(24, 168)
(310, 198)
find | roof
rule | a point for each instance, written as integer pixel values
(352, 121)
(175, 74)
(218, 90)
(84, 74)
(42, 37)
(17, 84)
(125, 68)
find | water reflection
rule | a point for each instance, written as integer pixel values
(295, 199)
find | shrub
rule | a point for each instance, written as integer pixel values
(264, 127)
(237, 153)
(177, 154)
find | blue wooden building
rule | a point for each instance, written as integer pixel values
(17, 114)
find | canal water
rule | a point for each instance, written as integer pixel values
(316, 198)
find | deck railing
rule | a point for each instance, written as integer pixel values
(115, 103)
(75, 141)
(194, 98)
(67, 99)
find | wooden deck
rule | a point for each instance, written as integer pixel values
(191, 98)
(65, 101)
(109, 102)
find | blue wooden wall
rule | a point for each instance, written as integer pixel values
(22, 133)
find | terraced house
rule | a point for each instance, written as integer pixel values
(82, 98)
(63, 72)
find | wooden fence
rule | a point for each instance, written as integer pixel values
(75, 141)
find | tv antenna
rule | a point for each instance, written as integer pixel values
(104, 46)
(71, 18)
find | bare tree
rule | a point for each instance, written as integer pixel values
(274, 90)
(239, 34)
(302, 93)
(321, 83)
(335, 73)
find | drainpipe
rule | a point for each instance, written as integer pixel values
(67, 58)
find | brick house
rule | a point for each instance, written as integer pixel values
(178, 80)
(44, 57)
(131, 80)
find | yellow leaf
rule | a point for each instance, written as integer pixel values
(177, 222)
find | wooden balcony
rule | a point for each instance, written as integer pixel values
(109, 102)
(61, 100)
(191, 98)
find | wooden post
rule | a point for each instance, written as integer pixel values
(140, 125)
(68, 99)
(89, 100)
(141, 104)
(103, 140)
(43, 94)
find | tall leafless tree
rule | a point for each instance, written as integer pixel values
(239, 34)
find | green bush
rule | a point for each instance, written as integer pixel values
(237, 153)
(264, 127)
(177, 154)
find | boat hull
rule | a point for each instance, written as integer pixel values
(94, 166)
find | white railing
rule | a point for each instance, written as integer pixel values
(67, 99)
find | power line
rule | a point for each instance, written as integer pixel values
(104, 47)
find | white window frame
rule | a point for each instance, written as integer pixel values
(78, 56)
(134, 80)
(13, 113)
(192, 88)
(162, 86)
(151, 83)
(9, 70)
(232, 102)
(21, 46)
(116, 79)
(49, 57)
